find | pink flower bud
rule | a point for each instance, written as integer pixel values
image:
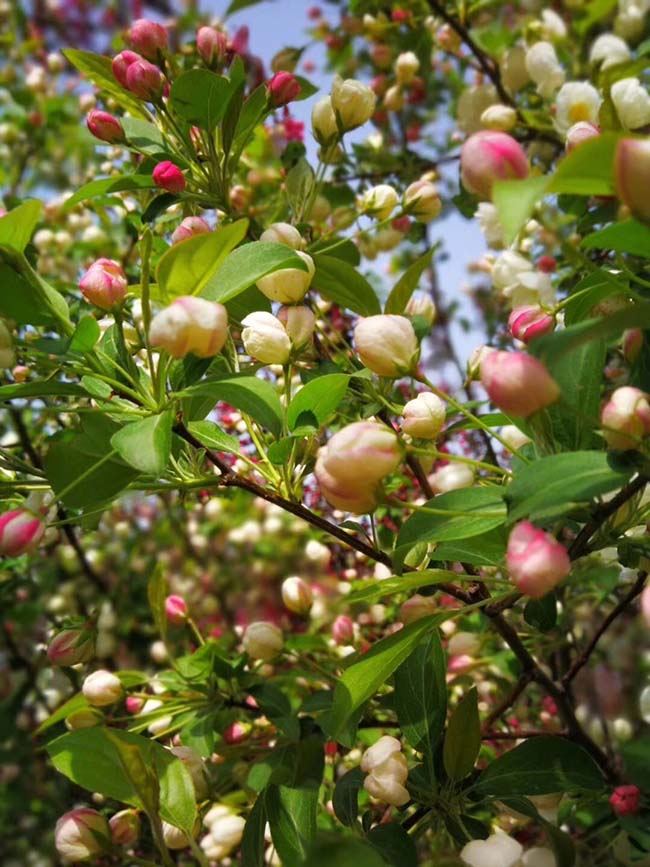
(626, 418)
(190, 324)
(624, 800)
(517, 383)
(343, 630)
(104, 284)
(263, 640)
(297, 595)
(104, 126)
(632, 176)
(121, 63)
(72, 646)
(190, 227)
(20, 532)
(535, 560)
(490, 156)
(424, 416)
(149, 38)
(125, 828)
(176, 610)
(579, 132)
(526, 323)
(632, 344)
(81, 835)
(236, 733)
(134, 704)
(145, 80)
(169, 177)
(282, 89)
(102, 688)
(386, 344)
(416, 608)
(211, 45)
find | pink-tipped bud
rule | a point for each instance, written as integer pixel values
(104, 284)
(105, 127)
(490, 156)
(632, 176)
(526, 323)
(176, 610)
(190, 324)
(190, 227)
(626, 418)
(632, 344)
(20, 532)
(343, 630)
(145, 80)
(149, 38)
(81, 835)
(134, 704)
(535, 560)
(169, 177)
(121, 63)
(297, 595)
(72, 646)
(517, 383)
(624, 800)
(282, 89)
(211, 45)
(125, 828)
(579, 132)
(236, 733)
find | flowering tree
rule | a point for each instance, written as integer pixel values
(288, 580)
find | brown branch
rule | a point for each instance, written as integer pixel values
(507, 702)
(518, 736)
(580, 543)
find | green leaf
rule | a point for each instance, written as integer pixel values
(251, 395)
(394, 845)
(200, 97)
(540, 766)
(292, 818)
(345, 799)
(17, 226)
(213, 437)
(26, 297)
(339, 282)
(98, 69)
(636, 756)
(105, 186)
(626, 237)
(334, 850)
(552, 485)
(237, 5)
(299, 185)
(589, 169)
(588, 292)
(43, 388)
(364, 677)
(253, 111)
(421, 694)
(146, 445)
(575, 417)
(144, 136)
(515, 202)
(252, 844)
(463, 738)
(320, 396)
(187, 266)
(368, 591)
(407, 284)
(487, 549)
(247, 264)
(156, 596)
(85, 336)
(138, 773)
(541, 613)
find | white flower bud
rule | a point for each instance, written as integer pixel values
(297, 595)
(102, 688)
(386, 344)
(190, 324)
(424, 416)
(609, 50)
(323, 121)
(499, 117)
(451, 478)
(499, 850)
(283, 233)
(632, 103)
(379, 201)
(406, 67)
(263, 640)
(352, 101)
(288, 285)
(544, 68)
(265, 338)
(299, 323)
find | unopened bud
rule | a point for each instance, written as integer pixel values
(626, 418)
(352, 101)
(297, 595)
(489, 156)
(624, 800)
(149, 38)
(176, 610)
(102, 688)
(125, 828)
(288, 285)
(81, 835)
(517, 383)
(343, 630)
(190, 324)
(535, 560)
(20, 532)
(265, 338)
(189, 228)
(283, 233)
(104, 284)
(72, 646)
(282, 89)
(632, 176)
(424, 416)
(263, 640)
(526, 323)
(169, 177)
(386, 344)
(211, 45)
(105, 127)
(421, 201)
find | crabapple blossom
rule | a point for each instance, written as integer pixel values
(535, 560)
(263, 640)
(632, 173)
(489, 156)
(81, 835)
(353, 103)
(625, 418)
(102, 688)
(386, 344)
(190, 324)
(288, 285)
(424, 416)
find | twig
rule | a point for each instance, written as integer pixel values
(507, 702)
(602, 513)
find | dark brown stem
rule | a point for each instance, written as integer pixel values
(516, 736)
(580, 544)
(507, 702)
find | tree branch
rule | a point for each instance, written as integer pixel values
(580, 544)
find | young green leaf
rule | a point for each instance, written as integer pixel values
(421, 694)
(463, 738)
(146, 445)
(339, 282)
(320, 396)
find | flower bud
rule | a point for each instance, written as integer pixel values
(282, 89)
(211, 45)
(263, 640)
(104, 126)
(517, 383)
(464, 643)
(499, 850)
(501, 118)
(579, 132)
(476, 359)
(173, 837)
(421, 305)
(451, 478)
(381, 750)
(7, 354)
(297, 595)
(72, 646)
(283, 233)
(624, 800)
(299, 323)
(104, 284)
(169, 177)
(189, 228)
(121, 63)
(424, 416)
(288, 285)
(526, 323)
(149, 38)
(387, 772)
(265, 338)
(190, 324)
(535, 560)
(102, 688)
(145, 80)
(353, 103)
(632, 176)
(632, 103)
(226, 831)
(626, 418)
(489, 156)
(125, 828)
(236, 733)
(514, 437)
(85, 718)
(20, 532)
(406, 67)
(416, 608)
(544, 68)
(421, 200)
(196, 769)
(394, 98)
(379, 202)
(323, 121)
(175, 610)
(343, 630)
(81, 835)
(386, 344)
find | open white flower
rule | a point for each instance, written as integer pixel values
(553, 27)
(490, 224)
(499, 850)
(608, 50)
(632, 103)
(576, 101)
(471, 105)
(518, 281)
(544, 68)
